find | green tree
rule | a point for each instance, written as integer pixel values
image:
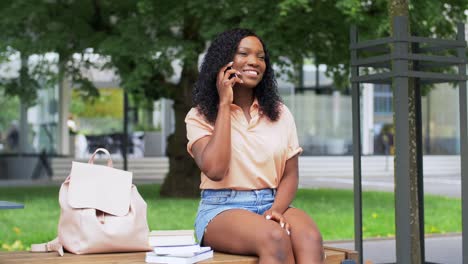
(445, 23)
(150, 35)
(144, 37)
(35, 28)
(61, 27)
(9, 111)
(292, 29)
(401, 8)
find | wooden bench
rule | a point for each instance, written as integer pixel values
(334, 256)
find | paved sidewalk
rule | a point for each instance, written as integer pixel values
(445, 185)
(444, 249)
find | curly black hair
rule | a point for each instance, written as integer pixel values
(221, 52)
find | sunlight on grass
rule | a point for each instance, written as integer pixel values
(331, 209)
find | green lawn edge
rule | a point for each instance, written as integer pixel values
(331, 209)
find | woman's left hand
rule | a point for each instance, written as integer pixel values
(274, 215)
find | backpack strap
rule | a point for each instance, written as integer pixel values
(53, 245)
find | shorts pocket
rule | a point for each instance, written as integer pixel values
(267, 199)
(216, 199)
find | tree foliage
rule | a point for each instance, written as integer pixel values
(143, 39)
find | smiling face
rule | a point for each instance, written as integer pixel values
(249, 59)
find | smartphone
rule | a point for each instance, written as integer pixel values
(232, 75)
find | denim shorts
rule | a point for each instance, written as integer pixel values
(214, 202)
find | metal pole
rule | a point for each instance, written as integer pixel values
(356, 112)
(463, 141)
(125, 131)
(402, 153)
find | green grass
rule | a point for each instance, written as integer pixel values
(331, 209)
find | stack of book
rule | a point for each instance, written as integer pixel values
(176, 246)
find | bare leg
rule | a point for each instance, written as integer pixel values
(239, 231)
(305, 237)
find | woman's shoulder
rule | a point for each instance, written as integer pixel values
(195, 115)
(285, 113)
(194, 112)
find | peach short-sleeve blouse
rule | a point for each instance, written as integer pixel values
(259, 148)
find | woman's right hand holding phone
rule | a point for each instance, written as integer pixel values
(227, 78)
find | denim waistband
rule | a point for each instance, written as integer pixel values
(237, 193)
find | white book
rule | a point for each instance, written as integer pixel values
(190, 254)
(170, 250)
(171, 238)
(151, 257)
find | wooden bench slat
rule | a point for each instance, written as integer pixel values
(349, 254)
(231, 259)
(334, 256)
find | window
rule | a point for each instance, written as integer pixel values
(383, 99)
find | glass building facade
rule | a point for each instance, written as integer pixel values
(322, 114)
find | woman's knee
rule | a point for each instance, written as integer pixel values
(308, 246)
(308, 239)
(276, 243)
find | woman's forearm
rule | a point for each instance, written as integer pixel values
(288, 186)
(217, 154)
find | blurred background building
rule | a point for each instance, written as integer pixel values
(64, 124)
